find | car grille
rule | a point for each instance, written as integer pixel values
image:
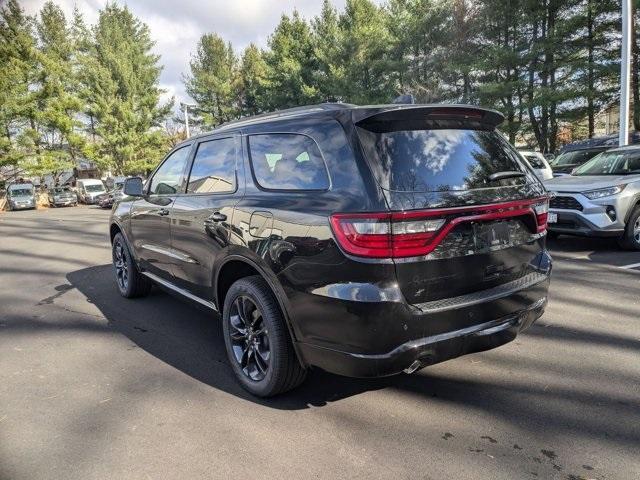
(565, 203)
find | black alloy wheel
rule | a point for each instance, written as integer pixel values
(249, 338)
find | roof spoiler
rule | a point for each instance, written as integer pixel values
(408, 113)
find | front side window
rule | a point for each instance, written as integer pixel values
(168, 178)
(287, 161)
(214, 167)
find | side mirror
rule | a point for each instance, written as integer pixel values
(133, 187)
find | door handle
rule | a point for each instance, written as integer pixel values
(217, 217)
(163, 212)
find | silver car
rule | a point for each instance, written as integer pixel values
(21, 196)
(601, 198)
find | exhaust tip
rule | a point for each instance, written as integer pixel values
(413, 367)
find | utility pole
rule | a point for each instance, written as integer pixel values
(186, 107)
(625, 70)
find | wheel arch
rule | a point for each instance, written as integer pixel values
(233, 268)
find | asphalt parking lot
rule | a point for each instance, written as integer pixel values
(93, 386)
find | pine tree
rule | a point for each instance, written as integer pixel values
(58, 105)
(212, 82)
(18, 134)
(291, 65)
(122, 78)
(365, 54)
(253, 81)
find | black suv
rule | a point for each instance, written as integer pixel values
(366, 241)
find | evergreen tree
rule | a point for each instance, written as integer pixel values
(291, 65)
(18, 135)
(365, 55)
(122, 77)
(253, 81)
(58, 105)
(212, 82)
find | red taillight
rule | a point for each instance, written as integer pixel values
(418, 233)
(386, 235)
(542, 213)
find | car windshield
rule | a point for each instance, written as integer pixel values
(94, 188)
(576, 157)
(612, 163)
(61, 190)
(533, 160)
(20, 192)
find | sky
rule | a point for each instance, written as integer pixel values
(176, 25)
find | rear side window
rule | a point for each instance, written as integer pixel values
(439, 160)
(214, 167)
(287, 161)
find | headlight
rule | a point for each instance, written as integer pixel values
(603, 192)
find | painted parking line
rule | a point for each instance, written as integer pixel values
(628, 267)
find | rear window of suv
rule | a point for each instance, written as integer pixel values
(438, 160)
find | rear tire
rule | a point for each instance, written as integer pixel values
(131, 283)
(257, 340)
(630, 240)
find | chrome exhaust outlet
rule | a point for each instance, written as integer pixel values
(413, 367)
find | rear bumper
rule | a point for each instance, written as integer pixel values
(426, 351)
(380, 338)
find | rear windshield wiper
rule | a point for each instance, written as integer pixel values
(504, 175)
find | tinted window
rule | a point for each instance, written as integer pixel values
(611, 163)
(168, 178)
(439, 160)
(214, 167)
(287, 162)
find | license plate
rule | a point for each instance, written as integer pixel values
(491, 236)
(552, 217)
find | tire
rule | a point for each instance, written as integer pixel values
(630, 240)
(130, 282)
(259, 347)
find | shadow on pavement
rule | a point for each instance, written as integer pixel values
(189, 338)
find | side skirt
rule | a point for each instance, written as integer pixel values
(181, 291)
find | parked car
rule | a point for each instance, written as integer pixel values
(366, 241)
(21, 196)
(106, 200)
(62, 196)
(600, 199)
(538, 163)
(89, 190)
(566, 162)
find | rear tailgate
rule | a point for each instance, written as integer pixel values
(456, 227)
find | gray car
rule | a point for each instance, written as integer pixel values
(21, 196)
(601, 198)
(62, 196)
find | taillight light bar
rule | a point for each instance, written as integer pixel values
(418, 232)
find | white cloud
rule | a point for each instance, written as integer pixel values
(176, 26)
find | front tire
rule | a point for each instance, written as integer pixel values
(630, 240)
(257, 340)
(131, 283)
